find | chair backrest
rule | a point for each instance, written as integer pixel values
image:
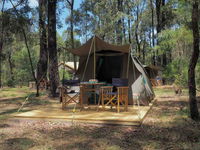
(70, 82)
(117, 82)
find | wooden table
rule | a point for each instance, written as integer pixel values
(89, 87)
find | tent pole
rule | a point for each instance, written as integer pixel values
(127, 71)
(94, 58)
(87, 60)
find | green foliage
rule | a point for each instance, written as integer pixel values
(10, 83)
(177, 45)
(64, 74)
(22, 65)
(176, 73)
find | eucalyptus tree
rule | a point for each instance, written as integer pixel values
(43, 58)
(1, 39)
(71, 7)
(194, 113)
(52, 48)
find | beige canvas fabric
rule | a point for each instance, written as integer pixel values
(99, 45)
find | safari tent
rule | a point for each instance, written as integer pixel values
(103, 61)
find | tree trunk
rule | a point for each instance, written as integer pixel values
(43, 60)
(1, 40)
(124, 31)
(71, 4)
(143, 51)
(161, 25)
(158, 26)
(158, 14)
(194, 113)
(163, 19)
(129, 31)
(136, 33)
(119, 23)
(52, 48)
(11, 66)
(152, 31)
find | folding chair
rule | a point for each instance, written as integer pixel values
(122, 94)
(121, 86)
(68, 94)
(115, 95)
(107, 96)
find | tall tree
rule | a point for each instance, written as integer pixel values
(152, 30)
(136, 32)
(42, 64)
(193, 61)
(160, 13)
(52, 47)
(71, 4)
(1, 40)
(119, 23)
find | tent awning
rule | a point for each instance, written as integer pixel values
(100, 45)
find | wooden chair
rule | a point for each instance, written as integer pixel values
(115, 95)
(68, 95)
(107, 96)
(122, 96)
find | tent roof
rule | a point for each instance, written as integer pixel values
(100, 45)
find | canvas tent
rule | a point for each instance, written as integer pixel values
(103, 61)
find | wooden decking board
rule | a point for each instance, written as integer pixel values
(91, 115)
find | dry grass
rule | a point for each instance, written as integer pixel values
(167, 126)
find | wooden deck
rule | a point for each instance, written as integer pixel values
(134, 116)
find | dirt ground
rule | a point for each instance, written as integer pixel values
(166, 127)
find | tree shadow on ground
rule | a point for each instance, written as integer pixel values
(16, 100)
(4, 125)
(11, 111)
(171, 103)
(17, 144)
(180, 133)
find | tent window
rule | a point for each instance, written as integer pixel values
(109, 67)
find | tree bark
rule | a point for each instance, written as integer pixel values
(194, 113)
(71, 4)
(143, 51)
(158, 14)
(1, 40)
(11, 66)
(119, 23)
(129, 31)
(163, 19)
(136, 33)
(52, 48)
(43, 60)
(152, 31)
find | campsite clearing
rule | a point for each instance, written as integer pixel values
(162, 128)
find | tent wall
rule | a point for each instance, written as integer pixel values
(89, 69)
